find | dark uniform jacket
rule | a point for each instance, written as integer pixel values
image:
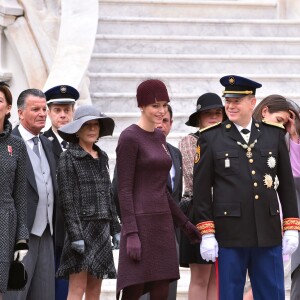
(57, 149)
(244, 204)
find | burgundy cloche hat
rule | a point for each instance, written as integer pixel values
(150, 91)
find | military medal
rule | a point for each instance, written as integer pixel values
(271, 162)
(268, 181)
(227, 163)
(276, 183)
(248, 148)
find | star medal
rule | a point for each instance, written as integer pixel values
(276, 183)
(271, 162)
(268, 181)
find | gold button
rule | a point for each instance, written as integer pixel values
(253, 172)
(256, 197)
(250, 160)
(255, 184)
(225, 213)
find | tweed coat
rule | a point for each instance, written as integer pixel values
(84, 194)
(244, 207)
(13, 199)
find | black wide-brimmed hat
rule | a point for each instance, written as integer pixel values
(83, 114)
(205, 102)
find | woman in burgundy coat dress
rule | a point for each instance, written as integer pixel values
(148, 259)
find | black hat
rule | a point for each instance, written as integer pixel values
(83, 114)
(62, 94)
(204, 102)
(237, 86)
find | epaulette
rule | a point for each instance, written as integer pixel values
(273, 124)
(209, 127)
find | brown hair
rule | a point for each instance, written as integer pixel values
(4, 88)
(274, 103)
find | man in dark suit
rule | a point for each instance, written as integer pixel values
(41, 195)
(60, 101)
(238, 166)
(174, 184)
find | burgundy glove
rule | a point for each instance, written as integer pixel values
(191, 232)
(133, 246)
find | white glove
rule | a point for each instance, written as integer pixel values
(290, 242)
(19, 255)
(209, 247)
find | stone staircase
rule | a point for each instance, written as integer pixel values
(189, 45)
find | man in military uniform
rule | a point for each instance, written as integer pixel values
(240, 166)
(60, 101)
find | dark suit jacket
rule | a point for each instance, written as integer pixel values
(177, 191)
(57, 150)
(59, 219)
(32, 192)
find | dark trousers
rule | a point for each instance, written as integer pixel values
(39, 263)
(61, 285)
(265, 267)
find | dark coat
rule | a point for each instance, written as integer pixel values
(57, 149)
(59, 235)
(177, 161)
(13, 199)
(32, 192)
(243, 207)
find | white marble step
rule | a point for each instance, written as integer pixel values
(189, 8)
(108, 289)
(162, 44)
(190, 83)
(126, 102)
(153, 63)
(199, 26)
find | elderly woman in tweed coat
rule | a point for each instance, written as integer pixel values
(14, 232)
(89, 212)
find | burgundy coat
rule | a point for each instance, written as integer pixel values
(143, 164)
